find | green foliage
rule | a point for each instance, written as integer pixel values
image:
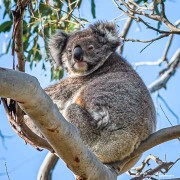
(140, 1)
(6, 26)
(93, 7)
(7, 8)
(56, 73)
(41, 19)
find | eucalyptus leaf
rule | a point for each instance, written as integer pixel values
(93, 8)
(6, 26)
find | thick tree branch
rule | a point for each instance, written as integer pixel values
(63, 136)
(47, 167)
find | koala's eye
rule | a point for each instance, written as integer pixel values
(90, 47)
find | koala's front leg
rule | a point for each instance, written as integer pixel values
(83, 120)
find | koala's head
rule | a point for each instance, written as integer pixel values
(82, 52)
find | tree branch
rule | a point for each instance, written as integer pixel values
(139, 19)
(125, 31)
(146, 41)
(153, 140)
(163, 167)
(161, 18)
(167, 74)
(148, 63)
(17, 46)
(47, 167)
(164, 57)
(63, 136)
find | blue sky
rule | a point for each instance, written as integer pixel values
(23, 161)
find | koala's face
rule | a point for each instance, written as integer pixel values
(83, 52)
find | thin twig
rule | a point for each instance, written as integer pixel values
(7, 171)
(146, 46)
(167, 118)
(3, 137)
(146, 41)
(171, 111)
(72, 15)
(139, 7)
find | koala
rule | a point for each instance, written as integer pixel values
(101, 94)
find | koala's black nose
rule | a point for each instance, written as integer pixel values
(78, 53)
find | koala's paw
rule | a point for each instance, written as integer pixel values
(101, 117)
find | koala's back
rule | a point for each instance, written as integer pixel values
(113, 109)
(122, 93)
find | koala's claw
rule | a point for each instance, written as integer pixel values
(101, 117)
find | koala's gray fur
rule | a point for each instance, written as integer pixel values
(102, 95)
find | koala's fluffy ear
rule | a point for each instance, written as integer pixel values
(106, 32)
(57, 44)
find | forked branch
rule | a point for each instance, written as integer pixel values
(61, 135)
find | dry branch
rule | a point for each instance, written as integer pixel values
(167, 73)
(17, 44)
(161, 18)
(146, 41)
(163, 167)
